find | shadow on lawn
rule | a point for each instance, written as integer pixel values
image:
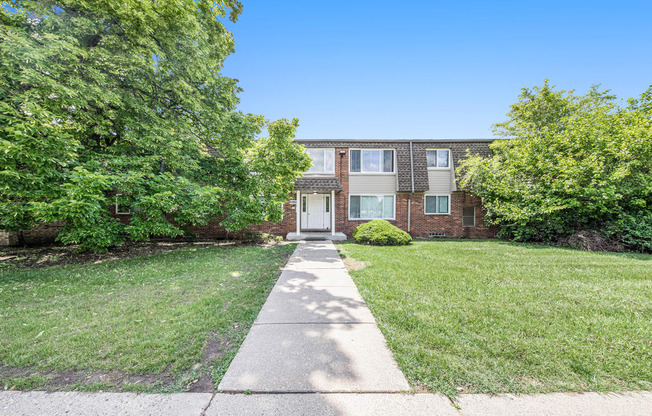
(312, 335)
(534, 246)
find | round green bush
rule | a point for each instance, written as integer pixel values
(380, 233)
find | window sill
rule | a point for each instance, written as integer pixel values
(371, 219)
(447, 213)
(448, 168)
(372, 173)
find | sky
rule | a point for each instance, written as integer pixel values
(429, 69)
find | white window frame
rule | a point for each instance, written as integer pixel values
(393, 172)
(435, 167)
(436, 213)
(370, 219)
(117, 204)
(324, 149)
(466, 216)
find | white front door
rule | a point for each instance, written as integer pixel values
(315, 212)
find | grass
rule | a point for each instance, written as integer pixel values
(489, 316)
(155, 323)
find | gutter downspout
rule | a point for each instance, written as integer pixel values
(412, 193)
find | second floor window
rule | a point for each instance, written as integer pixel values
(438, 158)
(323, 160)
(372, 161)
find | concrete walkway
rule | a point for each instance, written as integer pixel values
(315, 350)
(13, 403)
(314, 334)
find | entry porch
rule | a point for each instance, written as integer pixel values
(315, 208)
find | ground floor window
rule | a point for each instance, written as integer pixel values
(468, 217)
(121, 207)
(371, 207)
(437, 204)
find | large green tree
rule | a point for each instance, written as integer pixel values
(99, 96)
(569, 163)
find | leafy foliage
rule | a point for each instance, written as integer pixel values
(568, 163)
(380, 233)
(635, 231)
(104, 96)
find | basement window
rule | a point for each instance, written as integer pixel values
(436, 235)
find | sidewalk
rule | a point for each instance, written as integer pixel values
(315, 349)
(314, 334)
(14, 403)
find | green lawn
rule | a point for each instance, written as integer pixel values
(153, 323)
(491, 316)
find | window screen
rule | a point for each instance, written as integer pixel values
(468, 217)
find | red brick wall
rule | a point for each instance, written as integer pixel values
(39, 234)
(450, 225)
(214, 230)
(421, 225)
(288, 224)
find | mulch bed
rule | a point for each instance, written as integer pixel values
(55, 254)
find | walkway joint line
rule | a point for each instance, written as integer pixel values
(312, 337)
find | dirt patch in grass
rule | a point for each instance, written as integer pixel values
(52, 255)
(353, 264)
(172, 341)
(65, 379)
(200, 377)
(214, 348)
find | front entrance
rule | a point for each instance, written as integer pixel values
(315, 212)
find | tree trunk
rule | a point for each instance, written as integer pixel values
(21, 239)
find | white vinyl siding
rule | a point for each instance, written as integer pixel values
(372, 184)
(372, 207)
(440, 181)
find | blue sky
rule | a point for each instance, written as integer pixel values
(429, 69)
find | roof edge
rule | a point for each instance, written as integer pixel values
(482, 140)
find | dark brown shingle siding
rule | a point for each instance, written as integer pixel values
(402, 147)
(317, 184)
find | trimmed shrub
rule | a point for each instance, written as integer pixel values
(380, 233)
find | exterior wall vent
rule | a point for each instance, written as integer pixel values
(436, 235)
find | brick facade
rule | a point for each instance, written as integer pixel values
(40, 234)
(419, 224)
(214, 230)
(450, 225)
